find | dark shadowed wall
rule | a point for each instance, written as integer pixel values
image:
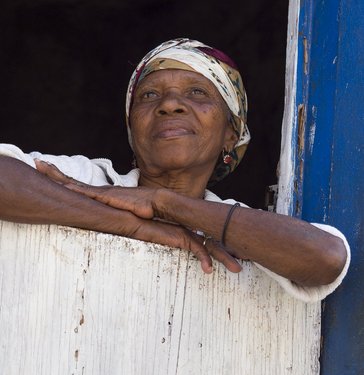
(65, 67)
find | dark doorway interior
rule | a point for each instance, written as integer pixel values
(65, 67)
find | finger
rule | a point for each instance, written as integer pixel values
(174, 236)
(220, 254)
(93, 192)
(116, 197)
(52, 172)
(110, 196)
(202, 255)
(97, 193)
(194, 244)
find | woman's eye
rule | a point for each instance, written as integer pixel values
(149, 95)
(198, 92)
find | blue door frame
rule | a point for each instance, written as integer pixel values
(329, 177)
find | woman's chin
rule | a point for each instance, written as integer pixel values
(188, 165)
(183, 154)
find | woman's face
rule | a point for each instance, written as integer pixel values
(179, 120)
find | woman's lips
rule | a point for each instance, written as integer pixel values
(172, 129)
(175, 132)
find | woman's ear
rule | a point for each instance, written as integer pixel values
(230, 138)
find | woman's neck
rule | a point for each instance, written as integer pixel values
(186, 184)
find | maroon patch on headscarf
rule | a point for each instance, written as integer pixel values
(218, 55)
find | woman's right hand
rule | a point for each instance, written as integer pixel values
(138, 200)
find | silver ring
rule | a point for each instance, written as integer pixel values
(205, 240)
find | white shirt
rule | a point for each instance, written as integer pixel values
(100, 172)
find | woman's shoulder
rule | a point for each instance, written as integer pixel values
(91, 171)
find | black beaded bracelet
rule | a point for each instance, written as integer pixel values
(228, 217)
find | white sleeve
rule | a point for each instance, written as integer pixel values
(16, 153)
(79, 167)
(317, 293)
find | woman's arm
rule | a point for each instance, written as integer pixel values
(28, 196)
(287, 246)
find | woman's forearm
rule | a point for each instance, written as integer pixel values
(287, 246)
(292, 248)
(27, 196)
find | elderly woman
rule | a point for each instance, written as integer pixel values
(186, 116)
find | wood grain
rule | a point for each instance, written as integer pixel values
(80, 302)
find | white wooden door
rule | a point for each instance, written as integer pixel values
(80, 302)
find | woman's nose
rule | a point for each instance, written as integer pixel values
(171, 103)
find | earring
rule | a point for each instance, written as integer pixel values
(226, 157)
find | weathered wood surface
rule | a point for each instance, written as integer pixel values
(286, 170)
(80, 302)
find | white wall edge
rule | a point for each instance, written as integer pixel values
(286, 162)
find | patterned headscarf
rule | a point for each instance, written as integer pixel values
(191, 55)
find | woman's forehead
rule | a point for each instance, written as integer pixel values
(176, 76)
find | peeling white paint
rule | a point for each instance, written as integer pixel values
(311, 136)
(312, 130)
(104, 304)
(286, 162)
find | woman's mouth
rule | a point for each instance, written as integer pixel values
(174, 132)
(172, 129)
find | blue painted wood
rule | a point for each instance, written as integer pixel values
(320, 77)
(331, 190)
